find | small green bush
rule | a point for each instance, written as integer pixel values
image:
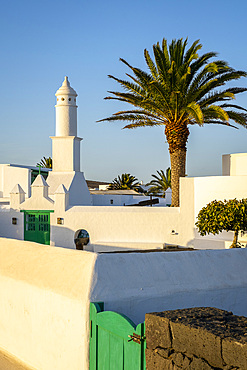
(230, 215)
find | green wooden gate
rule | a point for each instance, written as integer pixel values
(37, 226)
(116, 343)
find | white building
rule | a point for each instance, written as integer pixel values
(46, 291)
(56, 208)
(10, 174)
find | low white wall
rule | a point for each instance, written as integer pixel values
(117, 224)
(105, 199)
(122, 246)
(45, 304)
(117, 200)
(45, 291)
(137, 283)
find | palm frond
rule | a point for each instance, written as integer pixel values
(151, 65)
(215, 111)
(217, 122)
(128, 86)
(233, 106)
(160, 183)
(124, 182)
(240, 118)
(45, 162)
(194, 110)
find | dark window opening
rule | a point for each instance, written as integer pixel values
(34, 174)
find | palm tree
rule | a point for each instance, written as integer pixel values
(160, 183)
(124, 182)
(180, 89)
(45, 163)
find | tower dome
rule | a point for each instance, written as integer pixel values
(66, 89)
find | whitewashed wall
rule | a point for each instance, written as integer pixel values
(122, 200)
(7, 229)
(136, 227)
(153, 224)
(137, 283)
(45, 291)
(116, 224)
(118, 200)
(234, 164)
(10, 176)
(45, 304)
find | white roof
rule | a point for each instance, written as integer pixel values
(115, 192)
(61, 190)
(17, 189)
(27, 167)
(39, 182)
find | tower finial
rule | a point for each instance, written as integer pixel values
(66, 81)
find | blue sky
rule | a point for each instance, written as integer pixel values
(42, 41)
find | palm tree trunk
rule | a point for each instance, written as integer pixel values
(177, 136)
(178, 160)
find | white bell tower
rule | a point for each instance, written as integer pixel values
(66, 110)
(66, 149)
(66, 144)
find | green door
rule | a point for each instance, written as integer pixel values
(37, 226)
(115, 342)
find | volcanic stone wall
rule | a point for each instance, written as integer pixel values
(196, 338)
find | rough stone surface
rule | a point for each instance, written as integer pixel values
(177, 359)
(199, 364)
(235, 352)
(192, 341)
(159, 331)
(197, 338)
(163, 352)
(186, 363)
(155, 361)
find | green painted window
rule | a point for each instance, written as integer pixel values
(37, 226)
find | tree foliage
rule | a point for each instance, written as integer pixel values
(161, 182)
(230, 215)
(45, 162)
(180, 89)
(125, 182)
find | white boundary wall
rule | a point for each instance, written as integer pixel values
(137, 283)
(45, 304)
(136, 227)
(130, 226)
(45, 294)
